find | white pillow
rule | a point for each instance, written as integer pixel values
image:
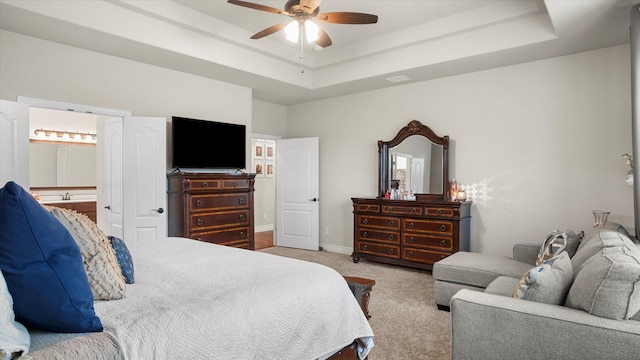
(14, 337)
(547, 283)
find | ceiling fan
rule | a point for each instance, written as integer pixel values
(301, 11)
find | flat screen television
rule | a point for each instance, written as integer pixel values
(206, 144)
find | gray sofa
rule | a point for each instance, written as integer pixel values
(597, 315)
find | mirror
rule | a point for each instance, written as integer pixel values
(62, 165)
(416, 159)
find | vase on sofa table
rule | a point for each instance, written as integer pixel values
(600, 218)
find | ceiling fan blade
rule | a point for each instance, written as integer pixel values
(257, 7)
(323, 39)
(347, 18)
(268, 31)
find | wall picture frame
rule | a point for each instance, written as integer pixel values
(270, 149)
(269, 169)
(258, 149)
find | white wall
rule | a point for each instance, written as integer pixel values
(42, 69)
(542, 142)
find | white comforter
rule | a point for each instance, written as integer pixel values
(193, 300)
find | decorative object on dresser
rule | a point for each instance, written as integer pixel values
(212, 207)
(427, 227)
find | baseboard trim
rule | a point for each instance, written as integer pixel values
(337, 249)
(261, 228)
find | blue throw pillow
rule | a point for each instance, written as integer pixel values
(42, 266)
(124, 258)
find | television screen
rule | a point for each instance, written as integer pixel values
(207, 144)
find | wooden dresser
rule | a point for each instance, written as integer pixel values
(215, 208)
(409, 233)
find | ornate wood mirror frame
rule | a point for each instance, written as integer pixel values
(384, 165)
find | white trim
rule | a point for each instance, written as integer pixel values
(265, 136)
(66, 106)
(261, 228)
(337, 249)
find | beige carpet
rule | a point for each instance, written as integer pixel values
(404, 318)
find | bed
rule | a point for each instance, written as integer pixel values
(195, 300)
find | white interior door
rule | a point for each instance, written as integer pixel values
(110, 184)
(14, 143)
(297, 193)
(145, 192)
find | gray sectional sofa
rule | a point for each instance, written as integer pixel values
(581, 302)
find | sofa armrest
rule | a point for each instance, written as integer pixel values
(488, 326)
(526, 253)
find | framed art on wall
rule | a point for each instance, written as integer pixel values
(270, 149)
(270, 169)
(258, 149)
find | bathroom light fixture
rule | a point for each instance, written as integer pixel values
(66, 136)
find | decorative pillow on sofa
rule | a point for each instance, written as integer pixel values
(594, 242)
(14, 337)
(608, 284)
(43, 267)
(124, 258)
(99, 258)
(557, 242)
(547, 283)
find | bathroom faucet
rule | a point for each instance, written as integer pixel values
(66, 196)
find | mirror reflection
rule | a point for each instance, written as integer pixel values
(416, 165)
(60, 164)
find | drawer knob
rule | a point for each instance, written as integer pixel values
(199, 222)
(365, 234)
(392, 223)
(438, 212)
(198, 203)
(443, 228)
(414, 210)
(368, 208)
(411, 225)
(443, 243)
(235, 183)
(391, 237)
(242, 217)
(389, 209)
(411, 239)
(205, 184)
(241, 200)
(411, 254)
(390, 251)
(364, 247)
(242, 234)
(365, 221)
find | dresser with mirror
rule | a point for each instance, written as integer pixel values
(412, 221)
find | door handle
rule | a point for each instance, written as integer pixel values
(158, 210)
(108, 207)
(315, 199)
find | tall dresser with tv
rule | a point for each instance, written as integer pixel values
(214, 208)
(210, 202)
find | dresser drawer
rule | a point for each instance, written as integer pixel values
(428, 241)
(387, 251)
(218, 201)
(237, 237)
(379, 222)
(441, 212)
(203, 221)
(230, 184)
(441, 227)
(379, 235)
(202, 184)
(374, 208)
(422, 256)
(402, 210)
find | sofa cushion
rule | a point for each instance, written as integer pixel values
(475, 269)
(557, 242)
(99, 258)
(547, 283)
(593, 243)
(608, 284)
(502, 285)
(43, 267)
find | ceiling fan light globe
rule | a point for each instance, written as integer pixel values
(311, 31)
(292, 31)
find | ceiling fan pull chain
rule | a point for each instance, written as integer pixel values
(301, 54)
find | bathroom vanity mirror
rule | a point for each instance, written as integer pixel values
(62, 165)
(416, 159)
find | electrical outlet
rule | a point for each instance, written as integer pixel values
(326, 230)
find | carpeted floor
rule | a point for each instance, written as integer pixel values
(404, 318)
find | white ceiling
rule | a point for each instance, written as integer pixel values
(422, 39)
